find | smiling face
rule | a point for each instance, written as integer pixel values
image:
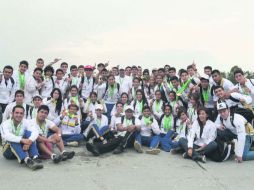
(202, 116)
(18, 115)
(42, 115)
(22, 68)
(239, 77)
(224, 113)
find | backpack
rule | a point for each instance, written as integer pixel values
(29, 110)
(132, 119)
(12, 81)
(222, 153)
(248, 127)
(117, 85)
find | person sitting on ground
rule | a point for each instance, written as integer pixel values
(69, 124)
(44, 142)
(148, 134)
(20, 139)
(200, 141)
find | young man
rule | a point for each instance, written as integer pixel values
(233, 127)
(33, 85)
(69, 124)
(98, 126)
(124, 81)
(74, 79)
(87, 82)
(7, 87)
(60, 82)
(148, 134)
(244, 86)
(19, 100)
(44, 142)
(20, 139)
(21, 76)
(126, 129)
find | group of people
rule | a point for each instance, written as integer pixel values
(197, 113)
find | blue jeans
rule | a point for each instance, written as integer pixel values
(166, 142)
(152, 141)
(247, 154)
(73, 137)
(100, 131)
(15, 150)
(109, 109)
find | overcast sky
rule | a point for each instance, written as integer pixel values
(149, 33)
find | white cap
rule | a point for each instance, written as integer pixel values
(129, 108)
(37, 96)
(98, 107)
(221, 106)
(204, 76)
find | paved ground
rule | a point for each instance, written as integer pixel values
(127, 171)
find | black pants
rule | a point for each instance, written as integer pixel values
(124, 142)
(3, 106)
(225, 135)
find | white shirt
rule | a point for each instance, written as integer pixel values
(7, 92)
(30, 90)
(47, 87)
(125, 83)
(16, 78)
(68, 125)
(226, 84)
(62, 85)
(209, 134)
(52, 109)
(42, 131)
(126, 123)
(87, 87)
(8, 110)
(239, 130)
(8, 131)
(249, 84)
(148, 130)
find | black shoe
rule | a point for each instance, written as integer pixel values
(37, 160)
(67, 155)
(93, 149)
(57, 158)
(33, 165)
(118, 150)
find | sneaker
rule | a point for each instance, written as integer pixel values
(72, 144)
(118, 150)
(203, 158)
(37, 160)
(185, 155)
(138, 147)
(91, 148)
(33, 165)
(56, 158)
(67, 155)
(153, 151)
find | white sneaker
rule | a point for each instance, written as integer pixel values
(153, 151)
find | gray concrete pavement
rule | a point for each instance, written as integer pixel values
(129, 170)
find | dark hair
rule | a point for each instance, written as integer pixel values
(174, 78)
(218, 87)
(73, 67)
(143, 96)
(208, 67)
(119, 103)
(73, 105)
(74, 86)
(181, 110)
(63, 63)
(39, 59)
(80, 66)
(172, 69)
(169, 106)
(173, 92)
(59, 101)
(59, 70)
(190, 67)
(93, 93)
(8, 67)
(199, 122)
(196, 97)
(182, 71)
(238, 71)
(49, 68)
(136, 78)
(43, 107)
(146, 107)
(128, 67)
(157, 92)
(16, 107)
(19, 92)
(161, 69)
(38, 69)
(216, 71)
(24, 62)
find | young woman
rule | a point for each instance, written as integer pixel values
(174, 103)
(201, 139)
(135, 87)
(139, 103)
(49, 83)
(55, 104)
(157, 105)
(167, 126)
(111, 94)
(99, 88)
(194, 105)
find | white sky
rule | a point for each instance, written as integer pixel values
(149, 33)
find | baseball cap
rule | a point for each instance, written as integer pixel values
(204, 76)
(98, 107)
(37, 96)
(129, 108)
(221, 106)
